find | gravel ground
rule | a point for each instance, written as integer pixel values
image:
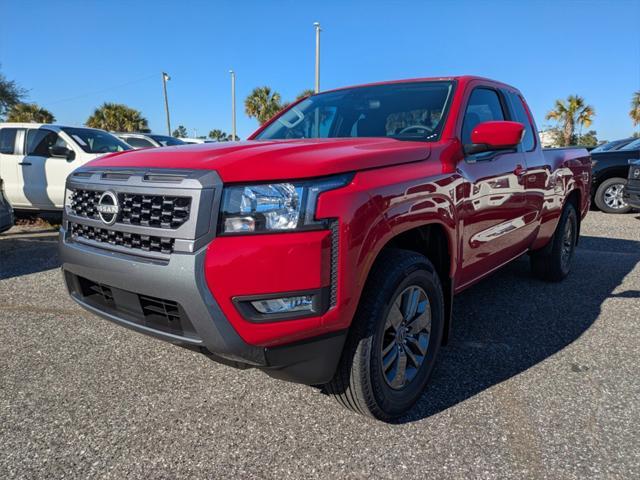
(539, 381)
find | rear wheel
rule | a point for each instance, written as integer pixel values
(610, 196)
(394, 338)
(553, 263)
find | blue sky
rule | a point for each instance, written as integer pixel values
(74, 55)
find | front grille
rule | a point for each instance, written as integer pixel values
(147, 243)
(160, 211)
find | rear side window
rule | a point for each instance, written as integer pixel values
(8, 140)
(483, 106)
(521, 115)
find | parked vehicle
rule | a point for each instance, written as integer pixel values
(35, 160)
(196, 140)
(326, 250)
(610, 171)
(6, 213)
(615, 145)
(632, 189)
(149, 140)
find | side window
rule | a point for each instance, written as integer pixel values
(39, 141)
(521, 115)
(483, 106)
(8, 140)
(138, 142)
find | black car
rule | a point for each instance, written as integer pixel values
(632, 190)
(610, 172)
(615, 145)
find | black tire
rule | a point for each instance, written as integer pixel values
(360, 384)
(553, 263)
(607, 202)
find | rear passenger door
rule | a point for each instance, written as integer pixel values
(492, 211)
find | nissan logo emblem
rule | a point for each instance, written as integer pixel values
(108, 207)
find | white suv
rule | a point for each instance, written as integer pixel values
(35, 160)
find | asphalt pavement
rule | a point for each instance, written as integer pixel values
(539, 381)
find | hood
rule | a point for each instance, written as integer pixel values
(258, 160)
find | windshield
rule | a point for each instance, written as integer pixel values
(615, 145)
(96, 141)
(405, 111)
(167, 141)
(635, 145)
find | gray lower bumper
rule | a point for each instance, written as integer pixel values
(181, 280)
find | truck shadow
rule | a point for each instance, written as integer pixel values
(27, 255)
(507, 324)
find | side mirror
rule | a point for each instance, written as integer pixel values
(62, 152)
(498, 135)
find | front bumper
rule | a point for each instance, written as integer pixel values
(204, 326)
(173, 289)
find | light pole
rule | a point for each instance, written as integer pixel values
(233, 105)
(165, 77)
(317, 86)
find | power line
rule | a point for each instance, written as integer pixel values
(84, 95)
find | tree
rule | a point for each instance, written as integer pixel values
(180, 132)
(305, 93)
(262, 103)
(30, 113)
(118, 118)
(571, 113)
(634, 113)
(219, 135)
(589, 139)
(10, 95)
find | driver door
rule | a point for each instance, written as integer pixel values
(44, 176)
(493, 210)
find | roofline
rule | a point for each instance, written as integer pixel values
(462, 78)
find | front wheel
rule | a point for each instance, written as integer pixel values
(394, 338)
(610, 196)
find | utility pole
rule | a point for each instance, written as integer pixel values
(317, 86)
(165, 77)
(233, 105)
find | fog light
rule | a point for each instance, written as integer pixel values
(301, 303)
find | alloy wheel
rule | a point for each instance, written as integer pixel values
(406, 337)
(613, 196)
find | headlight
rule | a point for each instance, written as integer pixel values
(274, 207)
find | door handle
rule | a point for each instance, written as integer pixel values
(24, 163)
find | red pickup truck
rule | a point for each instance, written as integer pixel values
(327, 248)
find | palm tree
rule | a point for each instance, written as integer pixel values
(118, 118)
(180, 132)
(219, 135)
(31, 113)
(305, 93)
(571, 113)
(262, 103)
(634, 113)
